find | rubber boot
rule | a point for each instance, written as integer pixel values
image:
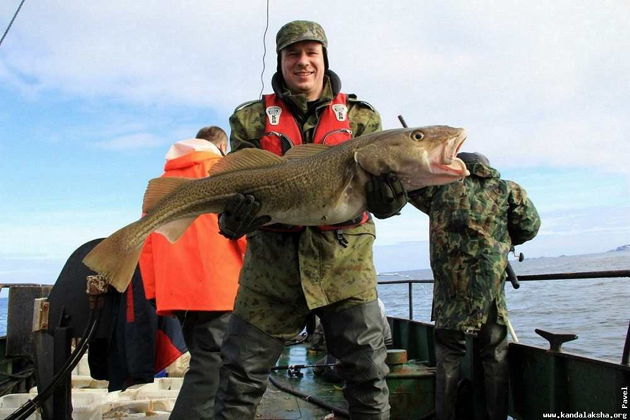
(248, 356)
(203, 333)
(494, 350)
(450, 348)
(355, 337)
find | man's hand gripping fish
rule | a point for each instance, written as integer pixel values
(311, 185)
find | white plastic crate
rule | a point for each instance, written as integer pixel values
(11, 402)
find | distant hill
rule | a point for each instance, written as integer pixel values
(621, 248)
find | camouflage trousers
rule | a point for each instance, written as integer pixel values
(450, 349)
(300, 270)
(282, 313)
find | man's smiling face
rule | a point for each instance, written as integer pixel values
(303, 68)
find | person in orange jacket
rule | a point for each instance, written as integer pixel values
(195, 278)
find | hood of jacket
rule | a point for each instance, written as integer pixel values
(298, 102)
(482, 171)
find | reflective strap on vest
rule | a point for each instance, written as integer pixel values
(334, 125)
(280, 127)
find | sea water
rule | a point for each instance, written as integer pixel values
(596, 310)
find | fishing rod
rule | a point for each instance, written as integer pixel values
(511, 275)
(338, 411)
(296, 370)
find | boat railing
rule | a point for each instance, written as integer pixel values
(535, 277)
(523, 277)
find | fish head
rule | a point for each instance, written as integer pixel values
(420, 156)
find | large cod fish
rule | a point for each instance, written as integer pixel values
(310, 185)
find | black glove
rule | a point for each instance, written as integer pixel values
(385, 195)
(239, 216)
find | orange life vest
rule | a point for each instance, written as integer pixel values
(332, 128)
(282, 132)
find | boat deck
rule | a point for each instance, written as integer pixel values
(278, 404)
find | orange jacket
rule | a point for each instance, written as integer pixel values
(200, 271)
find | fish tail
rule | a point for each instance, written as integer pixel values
(116, 257)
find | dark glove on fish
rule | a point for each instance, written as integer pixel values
(385, 195)
(239, 216)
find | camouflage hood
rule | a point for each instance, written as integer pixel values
(482, 171)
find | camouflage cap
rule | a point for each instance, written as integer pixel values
(300, 30)
(469, 157)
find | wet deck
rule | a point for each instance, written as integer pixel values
(278, 404)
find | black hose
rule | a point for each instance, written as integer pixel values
(31, 405)
(23, 375)
(342, 412)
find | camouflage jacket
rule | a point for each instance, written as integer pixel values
(473, 225)
(328, 271)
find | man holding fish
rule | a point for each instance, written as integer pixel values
(292, 270)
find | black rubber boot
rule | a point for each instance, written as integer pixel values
(355, 337)
(450, 349)
(203, 332)
(248, 356)
(494, 350)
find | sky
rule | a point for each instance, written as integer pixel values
(93, 93)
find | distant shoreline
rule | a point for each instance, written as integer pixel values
(615, 259)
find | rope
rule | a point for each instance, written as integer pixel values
(11, 23)
(262, 73)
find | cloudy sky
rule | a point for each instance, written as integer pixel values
(93, 93)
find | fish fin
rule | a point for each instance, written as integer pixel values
(374, 159)
(175, 229)
(158, 188)
(305, 150)
(113, 260)
(249, 158)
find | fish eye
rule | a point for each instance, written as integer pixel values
(417, 135)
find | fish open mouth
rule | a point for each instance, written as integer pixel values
(450, 163)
